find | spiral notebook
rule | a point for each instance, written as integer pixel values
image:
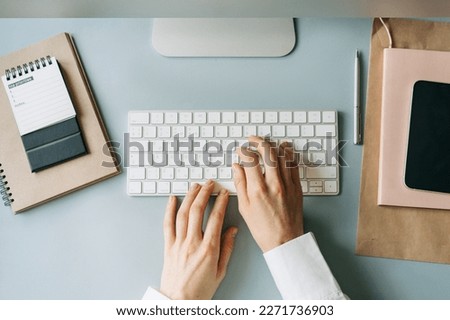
(21, 188)
(44, 113)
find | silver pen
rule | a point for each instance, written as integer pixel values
(357, 107)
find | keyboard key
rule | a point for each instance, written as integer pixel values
(300, 144)
(200, 117)
(316, 183)
(293, 131)
(157, 118)
(271, 117)
(178, 131)
(242, 117)
(181, 173)
(171, 159)
(196, 173)
(325, 130)
(149, 187)
(221, 131)
(257, 117)
(249, 131)
(317, 158)
(139, 146)
(307, 131)
(264, 131)
(193, 131)
(135, 132)
(328, 117)
(315, 144)
(278, 131)
(134, 187)
(159, 159)
(149, 132)
(210, 173)
(300, 117)
(225, 173)
(171, 117)
(331, 186)
(185, 117)
(321, 172)
(163, 132)
(139, 118)
(228, 185)
(135, 159)
(167, 173)
(180, 187)
(315, 189)
(235, 131)
(314, 117)
(199, 145)
(158, 146)
(153, 173)
(285, 117)
(207, 132)
(228, 117)
(163, 187)
(214, 117)
(137, 173)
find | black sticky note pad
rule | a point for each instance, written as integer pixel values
(428, 156)
(54, 144)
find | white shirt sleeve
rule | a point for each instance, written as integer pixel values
(300, 271)
(153, 294)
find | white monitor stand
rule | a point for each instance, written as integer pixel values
(223, 37)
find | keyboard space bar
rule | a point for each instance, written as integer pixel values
(219, 185)
(321, 172)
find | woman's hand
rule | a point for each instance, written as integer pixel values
(270, 203)
(195, 262)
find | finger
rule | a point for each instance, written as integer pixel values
(197, 211)
(286, 161)
(169, 221)
(250, 164)
(295, 169)
(183, 213)
(268, 153)
(240, 183)
(226, 249)
(215, 221)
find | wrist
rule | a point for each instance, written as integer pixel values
(284, 237)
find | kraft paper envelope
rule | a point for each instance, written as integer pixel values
(397, 232)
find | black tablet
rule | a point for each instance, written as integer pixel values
(428, 155)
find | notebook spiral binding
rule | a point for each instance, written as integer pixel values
(5, 192)
(26, 68)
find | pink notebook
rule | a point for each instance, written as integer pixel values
(402, 68)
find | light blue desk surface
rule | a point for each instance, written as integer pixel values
(98, 243)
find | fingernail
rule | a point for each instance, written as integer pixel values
(235, 231)
(223, 192)
(209, 182)
(194, 186)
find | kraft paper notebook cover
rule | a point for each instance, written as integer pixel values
(402, 68)
(29, 189)
(389, 231)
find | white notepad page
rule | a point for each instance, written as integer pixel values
(39, 98)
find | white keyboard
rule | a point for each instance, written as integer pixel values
(170, 150)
